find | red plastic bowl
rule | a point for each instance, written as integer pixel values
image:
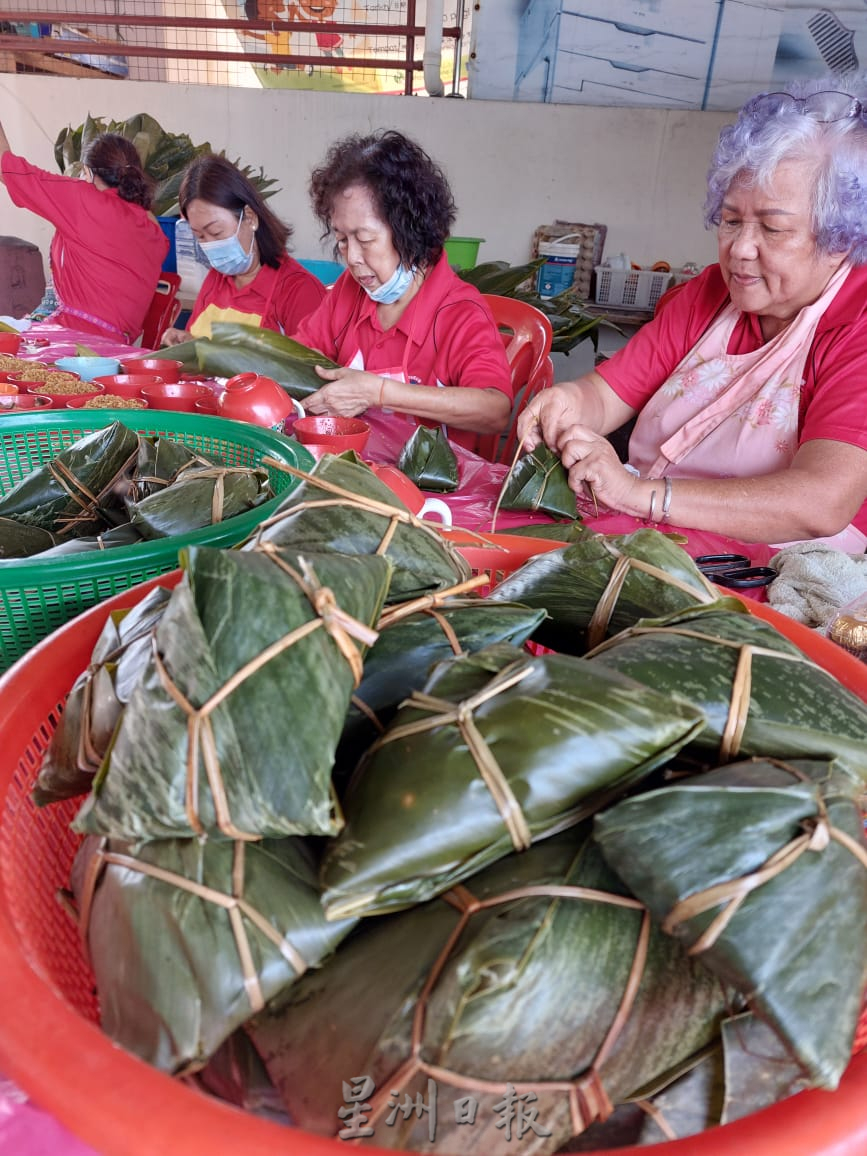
(336, 433)
(208, 403)
(163, 367)
(175, 395)
(59, 400)
(10, 342)
(50, 1044)
(128, 384)
(136, 403)
(15, 403)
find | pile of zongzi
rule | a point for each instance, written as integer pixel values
(114, 487)
(451, 892)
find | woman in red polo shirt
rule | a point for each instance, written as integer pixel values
(410, 334)
(108, 248)
(252, 280)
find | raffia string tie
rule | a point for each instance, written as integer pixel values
(235, 905)
(445, 713)
(201, 741)
(71, 485)
(586, 1095)
(818, 834)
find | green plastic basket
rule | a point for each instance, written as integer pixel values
(37, 597)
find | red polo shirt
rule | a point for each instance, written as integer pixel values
(287, 294)
(106, 255)
(446, 336)
(832, 395)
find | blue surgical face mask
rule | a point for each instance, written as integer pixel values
(394, 288)
(228, 255)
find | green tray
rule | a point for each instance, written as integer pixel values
(37, 597)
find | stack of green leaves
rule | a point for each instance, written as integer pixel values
(164, 155)
(234, 348)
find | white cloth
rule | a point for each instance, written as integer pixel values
(814, 581)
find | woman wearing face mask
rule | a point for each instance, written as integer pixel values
(252, 279)
(108, 248)
(412, 336)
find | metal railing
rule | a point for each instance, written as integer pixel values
(186, 38)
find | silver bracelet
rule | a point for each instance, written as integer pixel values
(651, 517)
(666, 500)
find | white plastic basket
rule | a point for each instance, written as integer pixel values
(630, 288)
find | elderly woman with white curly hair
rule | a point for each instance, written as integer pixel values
(750, 386)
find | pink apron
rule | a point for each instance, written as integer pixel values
(723, 415)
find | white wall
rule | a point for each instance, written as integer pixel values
(512, 166)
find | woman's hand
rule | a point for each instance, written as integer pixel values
(174, 337)
(596, 471)
(550, 416)
(589, 403)
(349, 392)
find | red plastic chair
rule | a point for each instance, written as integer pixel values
(162, 312)
(527, 336)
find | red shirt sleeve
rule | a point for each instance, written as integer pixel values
(637, 370)
(57, 198)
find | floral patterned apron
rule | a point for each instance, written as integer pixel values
(724, 415)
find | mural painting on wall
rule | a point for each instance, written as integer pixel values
(697, 54)
(336, 51)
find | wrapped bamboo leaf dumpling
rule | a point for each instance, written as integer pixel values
(760, 870)
(343, 506)
(234, 723)
(18, 540)
(410, 644)
(96, 700)
(68, 494)
(501, 748)
(428, 460)
(760, 694)
(122, 534)
(199, 497)
(514, 979)
(538, 482)
(604, 583)
(188, 939)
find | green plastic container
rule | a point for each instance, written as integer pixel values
(37, 597)
(463, 252)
